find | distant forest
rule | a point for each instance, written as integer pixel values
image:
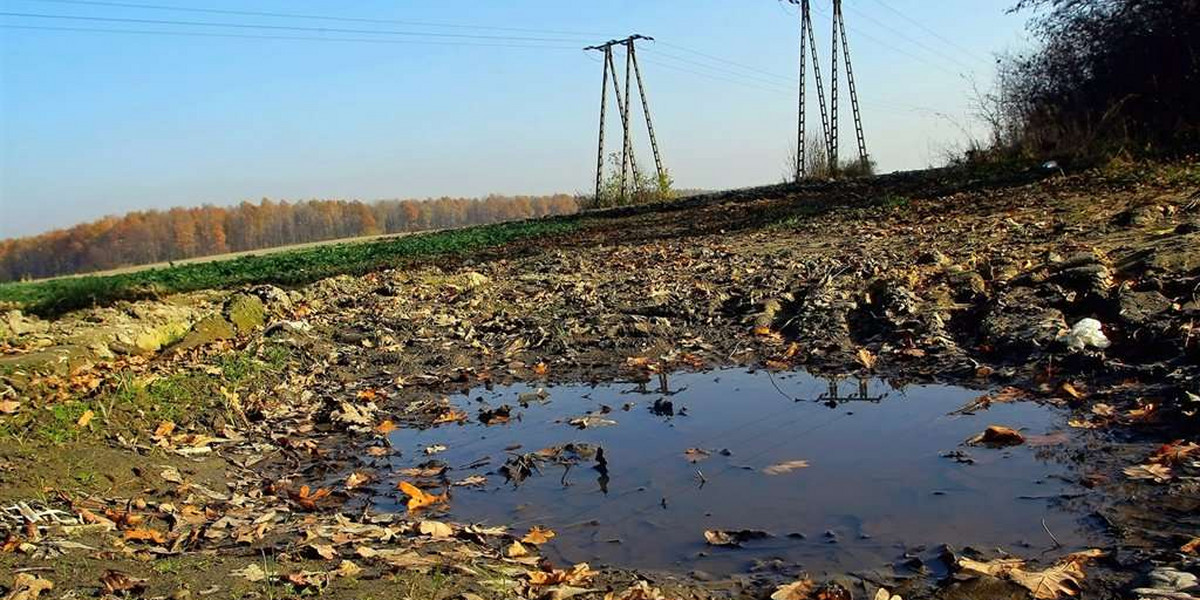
(156, 236)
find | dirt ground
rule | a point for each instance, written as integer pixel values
(238, 465)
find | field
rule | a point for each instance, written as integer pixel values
(285, 267)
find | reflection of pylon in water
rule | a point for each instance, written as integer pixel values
(833, 395)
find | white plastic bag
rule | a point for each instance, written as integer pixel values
(1086, 333)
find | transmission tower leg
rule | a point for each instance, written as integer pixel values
(646, 110)
(600, 146)
(800, 145)
(858, 128)
(627, 151)
(812, 42)
(833, 94)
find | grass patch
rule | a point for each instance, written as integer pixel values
(132, 405)
(295, 267)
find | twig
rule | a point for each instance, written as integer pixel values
(1057, 544)
(700, 475)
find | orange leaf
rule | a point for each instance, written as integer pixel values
(418, 498)
(385, 427)
(85, 418)
(451, 416)
(146, 535)
(538, 536)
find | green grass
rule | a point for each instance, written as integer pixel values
(295, 267)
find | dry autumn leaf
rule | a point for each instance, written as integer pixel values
(356, 479)
(999, 436)
(451, 416)
(1060, 580)
(85, 418)
(1175, 453)
(883, 594)
(785, 467)
(516, 550)
(385, 427)
(695, 455)
(27, 586)
(640, 590)
(1152, 471)
(418, 498)
(1191, 546)
(145, 535)
(307, 498)
(538, 536)
(866, 358)
(576, 575)
(797, 590)
(9, 407)
(996, 568)
(435, 529)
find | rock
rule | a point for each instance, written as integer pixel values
(932, 257)
(1167, 583)
(1085, 273)
(210, 329)
(275, 299)
(1020, 322)
(1140, 216)
(246, 312)
(14, 323)
(1140, 308)
(968, 285)
(56, 360)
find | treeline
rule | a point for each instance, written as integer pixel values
(157, 236)
(1106, 77)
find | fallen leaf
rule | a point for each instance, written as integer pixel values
(866, 358)
(717, 537)
(1070, 390)
(640, 590)
(695, 455)
(307, 498)
(324, 551)
(471, 481)
(576, 575)
(1191, 546)
(562, 592)
(516, 550)
(435, 529)
(540, 368)
(251, 572)
(145, 535)
(538, 536)
(385, 427)
(1104, 410)
(347, 569)
(85, 418)
(27, 586)
(883, 594)
(434, 449)
(785, 467)
(163, 430)
(1152, 471)
(1057, 581)
(1175, 453)
(797, 590)
(356, 479)
(418, 498)
(451, 416)
(996, 568)
(998, 436)
(9, 407)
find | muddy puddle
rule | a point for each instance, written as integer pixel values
(839, 475)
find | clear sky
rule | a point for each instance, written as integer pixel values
(97, 123)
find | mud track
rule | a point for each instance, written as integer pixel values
(237, 464)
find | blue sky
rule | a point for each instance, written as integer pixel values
(95, 123)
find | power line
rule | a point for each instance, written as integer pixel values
(930, 31)
(702, 65)
(283, 27)
(912, 40)
(252, 13)
(728, 62)
(893, 47)
(246, 36)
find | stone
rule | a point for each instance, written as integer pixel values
(56, 360)
(1140, 216)
(246, 312)
(14, 324)
(1140, 308)
(1021, 322)
(275, 298)
(210, 329)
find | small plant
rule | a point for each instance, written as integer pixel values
(638, 186)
